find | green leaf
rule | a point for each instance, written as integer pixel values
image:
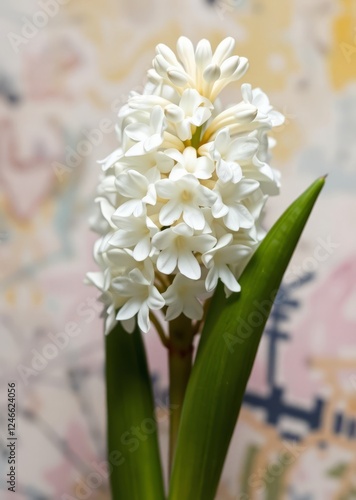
(133, 452)
(226, 354)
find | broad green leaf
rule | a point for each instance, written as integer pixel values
(225, 357)
(133, 452)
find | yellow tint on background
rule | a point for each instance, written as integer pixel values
(342, 57)
(267, 43)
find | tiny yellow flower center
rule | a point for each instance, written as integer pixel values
(186, 196)
(180, 243)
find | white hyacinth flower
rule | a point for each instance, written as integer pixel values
(218, 260)
(179, 246)
(181, 297)
(185, 198)
(142, 296)
(180, 201)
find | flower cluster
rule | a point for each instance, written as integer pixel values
(180, 201)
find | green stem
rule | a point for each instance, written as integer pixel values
(195, 140)
(180, 364)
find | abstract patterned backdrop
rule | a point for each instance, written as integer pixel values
(66, 66)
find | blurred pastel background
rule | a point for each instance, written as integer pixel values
(66, 66)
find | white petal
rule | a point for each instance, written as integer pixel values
(183, 230)
(229, 279)
(129, 325)
(241, 69)
(129, 309)
(207, 196)
(188, 266)
(155, 300)
(223, 170)
(97, 279)
(184, 130)
(224, 50)
(276, 117)
(165, 189)
(170, 213)
(242, 149)
(106, 209)
(166, 262)
(177, 77)
(178, 171)
(153, 142)
(157, 119)
(203, 53)
(161, 65)
(208, 259)
(212, 279)
(136, 150)
(151, 196)
(164, 164)
(162, 239)
(260, 100)
(212, 73)
(194, 217)
(245, 113)
(137, 277)
(246, 92)
(137, 131)
(236, 173)
(142, 249)
(175, 154)
(204, 168)
(190, 100)
(224, 241)
(143, 318)
(229, 66)
(170, 295)
(201, 115)
(131, 184)
(185, 51)
(130, 207)
(167, 53)
(203, 243)
(219, 209)
(238, 216)
(232, 219)
(247, 186)
(222, 140)
(122, 238)
(174, 310)
(121, 285)
(193, 309)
